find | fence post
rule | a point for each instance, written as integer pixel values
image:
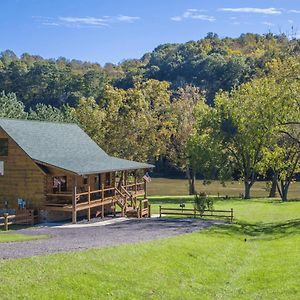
(160, 211)
(5, 215)
(231, 215)
(149, 210)
(195, 211)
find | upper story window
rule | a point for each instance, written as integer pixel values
(3, 147)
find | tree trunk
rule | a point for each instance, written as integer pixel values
(191, 180)
(272, 193)
(247, 185)
(285, 194)
(283, 190)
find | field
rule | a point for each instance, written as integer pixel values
(257, 257)
(176, 187)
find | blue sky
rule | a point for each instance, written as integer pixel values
(113, 30)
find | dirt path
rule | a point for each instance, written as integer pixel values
(72, 239)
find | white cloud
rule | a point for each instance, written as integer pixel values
(268, 24)
(103, 21)
(291, 21)
(266, 11)
(195, 14)
(176, 19)
(295, 11)
(83, 21)
(127, 19)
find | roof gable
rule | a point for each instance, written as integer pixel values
(65, 146)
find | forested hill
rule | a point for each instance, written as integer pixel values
(210, 64)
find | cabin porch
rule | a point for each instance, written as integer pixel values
(97, 194)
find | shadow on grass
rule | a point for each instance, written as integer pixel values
(266, 231)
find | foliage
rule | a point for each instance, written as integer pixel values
(203, 202)
(43, 112)
(51, 82)
(133, 124)
(10, 107)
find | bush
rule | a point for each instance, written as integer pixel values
(203, 202)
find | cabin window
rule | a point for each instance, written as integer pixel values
(59, 184)
(3, 147)
(1, 168)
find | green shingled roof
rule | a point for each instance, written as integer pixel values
(65, 146)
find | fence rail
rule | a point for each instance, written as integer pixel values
(21, 217)
(193, 212)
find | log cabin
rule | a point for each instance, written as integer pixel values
(58, 171)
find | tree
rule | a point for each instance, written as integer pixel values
(139, 119)
(49, 113)
(284, 159)
(206, 153)
(183, 107)
(91, 118)
(10, 107)
(247, 119)
(283, 153)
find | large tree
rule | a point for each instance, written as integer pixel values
(183, 107)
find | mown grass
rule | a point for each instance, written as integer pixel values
(257, 257)
(15, 237)
(259, 210)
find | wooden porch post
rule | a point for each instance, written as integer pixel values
(135, 181)
(115, 183)
(102, 197)
(126, 178)
(89, 199)
(74, 196)
(145, 189)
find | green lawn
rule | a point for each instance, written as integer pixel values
(14, 237)
(258, 257)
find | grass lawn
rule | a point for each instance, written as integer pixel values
(13, 237)
(211, 264)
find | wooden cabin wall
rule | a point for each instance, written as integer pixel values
(22, 177)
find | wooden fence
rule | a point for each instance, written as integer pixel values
(21, 217)
(193, 212)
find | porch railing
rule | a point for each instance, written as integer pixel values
(65, 198)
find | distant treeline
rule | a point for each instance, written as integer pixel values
(210, 64)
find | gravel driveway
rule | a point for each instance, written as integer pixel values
(71, 239)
